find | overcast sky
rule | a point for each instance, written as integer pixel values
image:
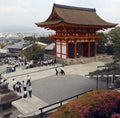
(27, 12)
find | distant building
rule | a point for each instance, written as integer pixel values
(50, 51)
(41, 45)
(16, 48)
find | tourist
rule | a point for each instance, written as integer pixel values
(25, 93)
(62, 70)
(14, 84)
(24, 86)
(29, 88)
(1, 80)
(18, 87)
(56, 69)
(28, 83)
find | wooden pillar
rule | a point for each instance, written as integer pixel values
(55, 49)
(75, 49)
(61, 48)
(95, 50)
(66, 49)
(88, 48)
(82, 49)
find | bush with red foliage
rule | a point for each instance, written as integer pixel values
(95, 104)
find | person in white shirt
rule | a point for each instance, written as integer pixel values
(29, 88)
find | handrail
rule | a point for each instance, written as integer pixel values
(60, 103)
(52, 107)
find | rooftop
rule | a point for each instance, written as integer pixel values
(76, 16)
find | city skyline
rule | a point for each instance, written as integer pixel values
(20, 15)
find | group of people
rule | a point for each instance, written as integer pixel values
(60, 70)
(23, 86)
(48, 62)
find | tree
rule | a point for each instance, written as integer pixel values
(45, 40)
(101, 47)
(30, 38)
(114, 37)
(33, 53)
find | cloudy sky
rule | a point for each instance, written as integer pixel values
(27, 12)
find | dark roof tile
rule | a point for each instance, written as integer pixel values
(75, 16)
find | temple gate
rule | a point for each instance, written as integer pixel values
(76, 29)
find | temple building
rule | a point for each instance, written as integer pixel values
(75, 29)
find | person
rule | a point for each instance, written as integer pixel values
(62, 70)
(25, 93)
(56, 69)
(28, 77)
(18, 87)
(1, 80)
(28, 83)
(24, 86)
(29, 88)
(14, 84)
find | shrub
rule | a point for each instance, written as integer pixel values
(95, 104)
(115, 115)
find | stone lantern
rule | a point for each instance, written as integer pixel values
(7, 96)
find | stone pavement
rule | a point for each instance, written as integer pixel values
(30, 105)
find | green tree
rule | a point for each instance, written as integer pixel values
(46, 40)
(101, 47)
(30, 38)
(114, 38)
(33, 53)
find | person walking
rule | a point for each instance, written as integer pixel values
(56, 70)
(62, 70)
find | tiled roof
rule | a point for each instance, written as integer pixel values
(74, 16)
(50, 46)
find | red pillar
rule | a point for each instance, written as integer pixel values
(82, 49)
(61, 48)
(66, 49)
(55, 49)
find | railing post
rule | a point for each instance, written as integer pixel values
(60, 103)
(107, 81)
(97, 83)
(41, 115)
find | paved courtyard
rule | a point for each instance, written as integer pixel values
(56, 88)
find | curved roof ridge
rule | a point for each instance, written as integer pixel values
(74, 16)
(75, 8)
